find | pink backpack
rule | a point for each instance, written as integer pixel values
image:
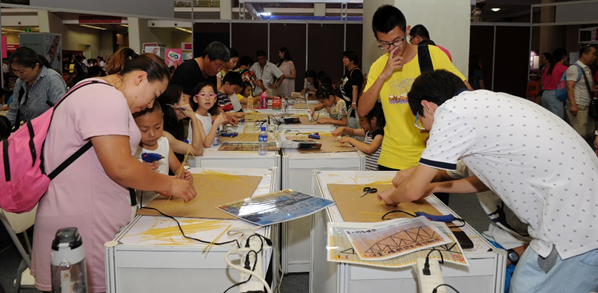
(23, 180)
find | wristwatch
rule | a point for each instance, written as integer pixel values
(513, 256)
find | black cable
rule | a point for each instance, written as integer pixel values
(397, 211)
(188, 237)
(446, 285)
(252, 269)
(426, 269)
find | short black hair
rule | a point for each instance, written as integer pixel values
(216, 51)
(436, 87)
(233, 78)
(420, 30)
(260, 53)
(585, 49)
(26, 57)
(245, 60)
(155, 108)
(310, 73)
(352, 56)
(386, 18)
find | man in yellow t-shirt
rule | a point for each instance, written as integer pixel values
(390, 79)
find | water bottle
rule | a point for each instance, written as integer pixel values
(69, 274)
(216, 141)
(263, 141)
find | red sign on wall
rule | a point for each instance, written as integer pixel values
(99, 19)
(12, 47)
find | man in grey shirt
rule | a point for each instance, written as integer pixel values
(266, 71)
(578, 94)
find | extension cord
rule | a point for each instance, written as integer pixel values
(427, 283)
(255, 244)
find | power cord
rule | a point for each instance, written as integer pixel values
(247, 268)
(426, 269)
(188, 237)
(446, 285)
(397, 211)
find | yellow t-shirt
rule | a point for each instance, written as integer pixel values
(403, 144)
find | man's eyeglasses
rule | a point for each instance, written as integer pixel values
(396, 43)
(418, 123)
(205, 96)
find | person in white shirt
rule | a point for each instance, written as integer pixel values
(539, 166)
(579, 92)
(267, 72)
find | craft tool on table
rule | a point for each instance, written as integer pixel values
(314, 136)
(367, 190)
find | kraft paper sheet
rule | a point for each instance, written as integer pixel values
(354, 208)
(213, 189)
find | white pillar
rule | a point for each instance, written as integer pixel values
(320, 9)
(226, 11)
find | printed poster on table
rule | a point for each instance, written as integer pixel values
(174, 57)
(340, 249)
(388, 239)
(276, 207)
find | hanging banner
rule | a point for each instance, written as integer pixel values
(174, 57)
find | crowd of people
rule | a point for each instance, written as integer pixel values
(430, 126)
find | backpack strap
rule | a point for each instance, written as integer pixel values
(70, 160)
(425, 61)
(80, 151)
(18, 116)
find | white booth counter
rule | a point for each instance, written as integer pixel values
(485, 274)
(151, 255)
(297, 174)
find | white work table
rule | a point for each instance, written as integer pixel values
(151, 255)
(484, 275)
(297, 174)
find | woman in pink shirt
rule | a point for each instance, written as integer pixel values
(91, 194)
(551, 77)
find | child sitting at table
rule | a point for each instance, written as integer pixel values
(329, 98)
(205, 105)
(246, 92)
(227, 94)
(150, 122)
(372, 127)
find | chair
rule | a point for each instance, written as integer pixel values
(18, 224)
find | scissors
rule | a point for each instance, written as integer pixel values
(367, 190)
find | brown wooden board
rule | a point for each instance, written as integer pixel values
(354, 208)
(213, 189)
(330, 144)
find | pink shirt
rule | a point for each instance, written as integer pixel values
(446, 51)
(83, 195)
(551, 81)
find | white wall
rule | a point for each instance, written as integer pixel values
(448, 23)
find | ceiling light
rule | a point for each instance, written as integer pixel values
(266, 13)
(184, 29)
(94, 27)
(125, 25)
(13, 30)
(495, 9)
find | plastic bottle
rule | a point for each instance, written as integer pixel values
(263, 141)
(264, 100)
(69, 273)
(216, 141)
